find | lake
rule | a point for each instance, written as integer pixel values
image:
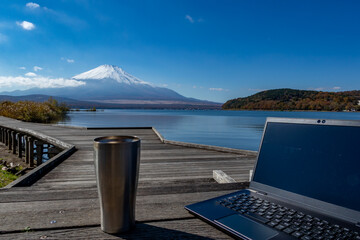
(233, 129)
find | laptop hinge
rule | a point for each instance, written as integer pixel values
(261, 193)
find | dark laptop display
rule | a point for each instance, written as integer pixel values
(306, 185)
(321, 162)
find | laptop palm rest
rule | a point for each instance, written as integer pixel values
(247, 227)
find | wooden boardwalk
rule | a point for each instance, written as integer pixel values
(64, 203)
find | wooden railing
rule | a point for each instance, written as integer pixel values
(35, 150)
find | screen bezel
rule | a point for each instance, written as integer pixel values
(303, 201)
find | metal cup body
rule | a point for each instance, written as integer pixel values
(117, 160)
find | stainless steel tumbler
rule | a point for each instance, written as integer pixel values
(117, 160)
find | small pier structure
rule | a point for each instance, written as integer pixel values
(59, 200)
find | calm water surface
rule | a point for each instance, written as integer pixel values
(233, 129)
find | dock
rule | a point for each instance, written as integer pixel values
(63, 204)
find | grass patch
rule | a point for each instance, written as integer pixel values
(28, 111)
(6, 177)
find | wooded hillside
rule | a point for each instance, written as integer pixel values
(291, 99)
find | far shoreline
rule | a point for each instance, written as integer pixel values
(205, 109)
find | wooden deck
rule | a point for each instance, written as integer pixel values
(64, 203)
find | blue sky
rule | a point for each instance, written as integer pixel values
(213, 50)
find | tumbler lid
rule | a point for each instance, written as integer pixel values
(116, 139)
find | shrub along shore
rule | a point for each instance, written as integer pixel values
(29, 111)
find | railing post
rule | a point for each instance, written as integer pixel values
(19, 144)
(39, 152)
(10, 139)
(52, 151)
(30, 144)
(27, 152)
(13, 139)
(6, 137)
(1, 135)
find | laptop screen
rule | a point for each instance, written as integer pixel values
(317, 161)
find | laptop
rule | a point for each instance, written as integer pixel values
(305, 185)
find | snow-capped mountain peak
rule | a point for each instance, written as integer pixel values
(110, 72)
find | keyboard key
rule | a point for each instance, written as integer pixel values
(286, 219)
(288, 230)
(305, 227)
(272, 223)
(280, 227)
(276, 220)
(318, 237)
(297, 223)
(306, 238)
(292, 212)
(297, 234)
(296, 228)
(299, 215)
(286, 224)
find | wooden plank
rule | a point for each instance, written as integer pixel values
(84, 212)
(83, 132)
(176, 229)
(89, 137)
(29, 194)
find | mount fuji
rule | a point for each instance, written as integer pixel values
(108, 82)
(111, 86)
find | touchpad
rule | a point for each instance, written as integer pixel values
(247, 227)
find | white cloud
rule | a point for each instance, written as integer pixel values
(257, 89)
(30, 74)
(189, 18)
(36, 68)
(40, 82)
(22, 68)
(68, 60)
(325, 88)
(218, 89)
(26, 25)
(32, 5)
(192, 20)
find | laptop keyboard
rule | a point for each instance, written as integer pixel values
(290, 221)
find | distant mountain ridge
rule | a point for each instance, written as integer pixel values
(110, 85)
(292, 99)
(72, 103)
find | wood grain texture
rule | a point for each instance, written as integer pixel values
(171, 176)
(163, 230)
